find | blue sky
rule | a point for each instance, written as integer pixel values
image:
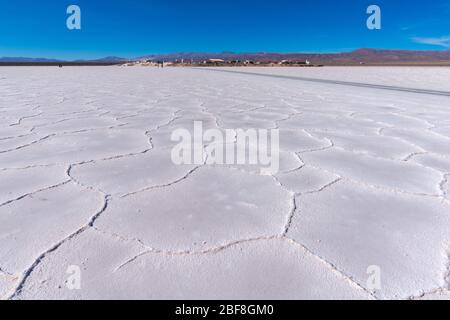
(37, 28)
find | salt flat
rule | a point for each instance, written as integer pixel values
(87, 181)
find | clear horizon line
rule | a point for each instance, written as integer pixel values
(218, 52)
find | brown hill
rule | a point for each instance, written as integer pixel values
(360, 56)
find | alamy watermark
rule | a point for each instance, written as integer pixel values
(257, 147)
(73, 281)
(374, 279)
(73, 22)
(374, 20)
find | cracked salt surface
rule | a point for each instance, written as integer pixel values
(7, 284)
(131, 174)
(213, 207)
(383, 173)
(434, 161)
(77, 147)
(372, 227)
(19, 183)
(40, 220)
(260, 269)
(427, 140)
(87, 180)
(372, 145)
(307, 180)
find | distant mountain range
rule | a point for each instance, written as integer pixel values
(368, 56)
(21, 59)
(107, 59)
(45, 60)
(360, 56)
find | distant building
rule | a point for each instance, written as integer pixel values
(295, 63)
(214, 62)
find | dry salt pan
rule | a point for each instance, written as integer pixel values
(230, 146)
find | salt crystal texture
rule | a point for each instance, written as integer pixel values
(87, 180)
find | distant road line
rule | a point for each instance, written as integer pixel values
(342, 83)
